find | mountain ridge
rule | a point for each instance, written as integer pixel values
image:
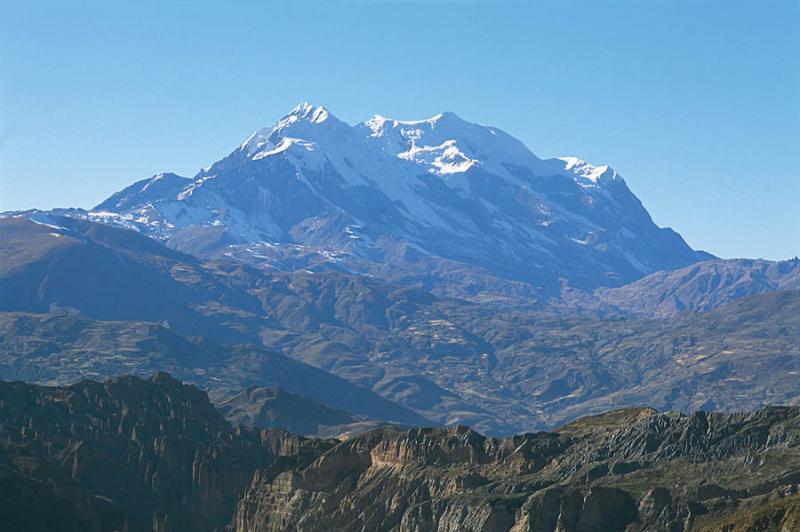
(702, 286)
(447, 360)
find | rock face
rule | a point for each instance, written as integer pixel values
(33, 505)
(132, 454)
(625, 470)
(128, 454)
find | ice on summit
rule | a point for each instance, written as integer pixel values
(298, 123)
(391, 157)
(441, 186)
(442, 145)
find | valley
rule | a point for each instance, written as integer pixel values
(228, 326)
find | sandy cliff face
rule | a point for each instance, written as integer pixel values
(627, 470)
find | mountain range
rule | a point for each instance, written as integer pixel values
(86, 299)
(455, 208)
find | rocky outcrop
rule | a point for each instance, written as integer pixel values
(134, 455)
(598, 508)
(626, 470)
(129, 454)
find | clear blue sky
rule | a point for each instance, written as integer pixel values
(696, 104)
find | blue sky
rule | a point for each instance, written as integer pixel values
(696, 104)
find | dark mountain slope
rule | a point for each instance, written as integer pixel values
(540, 370)
(273, 407)
(110, 273)
(449, 360)
(738, 356)
(62, 349)
(330, 320)
(153, 455)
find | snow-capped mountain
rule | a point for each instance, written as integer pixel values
(457, 207)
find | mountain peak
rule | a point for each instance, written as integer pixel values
(305, 121)
(301, 108)
(446, 115)
(378, 123)
(307, 111)
(443, 186)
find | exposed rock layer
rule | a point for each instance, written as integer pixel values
(127, 454)
(136, 455)
(625, 470)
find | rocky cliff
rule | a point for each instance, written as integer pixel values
(132, 454)
(626, 470)
(127, 454)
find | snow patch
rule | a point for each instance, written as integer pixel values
(443, 159)
(45, 220)
(588, 172)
